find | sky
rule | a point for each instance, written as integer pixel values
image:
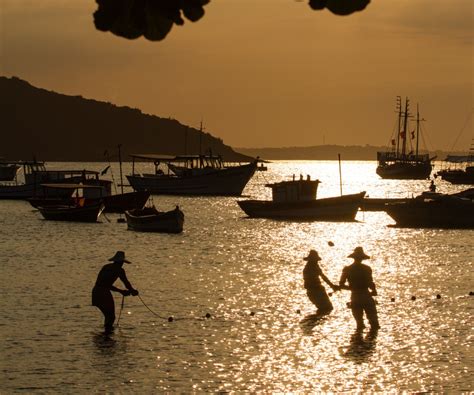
(263, 73)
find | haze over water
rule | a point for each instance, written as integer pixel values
(230, 266)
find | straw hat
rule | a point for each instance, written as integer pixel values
(119, 257)
(359, 254)
(312, 256)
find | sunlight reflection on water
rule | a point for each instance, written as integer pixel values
(246, 273)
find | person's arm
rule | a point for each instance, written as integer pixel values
(371, 283)
(127, 284)
(343, 279)
(329, 282)
(124, 292)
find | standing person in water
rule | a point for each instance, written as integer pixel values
(357, 278)
(101, 295)
(316, 292)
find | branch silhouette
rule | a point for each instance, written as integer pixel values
(154, 19)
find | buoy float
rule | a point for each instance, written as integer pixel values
(208, 315)
(170, 319)
(438, 296)
(298, 311)
(252, 313)
(392, 299)
(413, 298)
(330, 244)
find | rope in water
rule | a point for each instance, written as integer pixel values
(151, 311)
(208, 315)
(121, 308)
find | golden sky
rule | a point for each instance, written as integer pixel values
(263, 73)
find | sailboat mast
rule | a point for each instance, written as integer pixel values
(120, 164)
(417, 127)
(399, 108)
(404, 135)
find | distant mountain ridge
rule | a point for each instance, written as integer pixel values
(51, 126)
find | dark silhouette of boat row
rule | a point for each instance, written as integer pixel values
(56, 195)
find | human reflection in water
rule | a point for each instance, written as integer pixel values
(362, 287)
(312, 275)
(360, 347)
(102, 297)
(310, 321)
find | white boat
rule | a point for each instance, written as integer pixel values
(192, 175)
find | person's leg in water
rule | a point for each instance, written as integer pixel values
(109, 317)
(371, 313)
(358, 314)
(320, 299)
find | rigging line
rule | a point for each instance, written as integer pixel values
(462, 129)
(121, 308)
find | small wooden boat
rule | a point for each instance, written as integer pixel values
(435, 210)
(149, 219)
(86, 213)
(77, 210)
(296, 200)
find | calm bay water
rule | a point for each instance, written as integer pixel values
(231, 266)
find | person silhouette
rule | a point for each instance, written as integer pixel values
(314, 289)
(362, 287)
(102, 297)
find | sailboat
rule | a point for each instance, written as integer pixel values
(398, 163)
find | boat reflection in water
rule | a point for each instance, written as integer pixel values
(296, 200)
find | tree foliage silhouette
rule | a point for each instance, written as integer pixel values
(153, 19)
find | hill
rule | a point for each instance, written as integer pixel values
(50, 126)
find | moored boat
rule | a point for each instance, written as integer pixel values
(8, 170)
(399, 163)
(435, 210)
(296, 200)
(35, 174)
(149, 219)
(464, 174)
(77, 211)
(192, 175)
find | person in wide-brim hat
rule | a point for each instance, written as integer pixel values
(101, 293)
(312, 275)
(359, 253)
(119, 257)
(357, 278)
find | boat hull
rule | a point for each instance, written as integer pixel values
(87, 213)
(343, 208)
(448, 213)
(229, 181)
(8, 172)
(405, 170)
(458, 177)
(150, 220)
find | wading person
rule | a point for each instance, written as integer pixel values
(357, 278)
(101, 293)
(312, 275)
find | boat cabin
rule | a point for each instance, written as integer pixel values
(302, 190)
(79, 191)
